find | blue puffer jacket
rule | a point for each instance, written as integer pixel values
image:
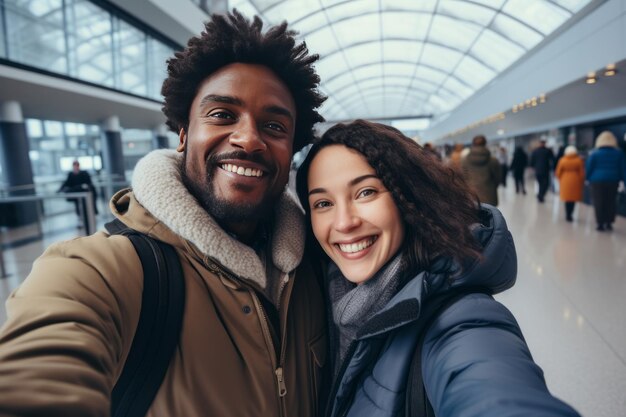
(475, 360)
(606, 164)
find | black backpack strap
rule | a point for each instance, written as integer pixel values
(417, 402)
(158, 329)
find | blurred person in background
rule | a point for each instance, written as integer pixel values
(570, 171)
(455, 156)
(482, 171)
(605, 168)
(518, 166)
(79, 181)
(503, 158)
(542, 161)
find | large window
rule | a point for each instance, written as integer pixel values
(80, 39)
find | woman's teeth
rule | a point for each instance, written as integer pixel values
(246, 172)
(357, 246)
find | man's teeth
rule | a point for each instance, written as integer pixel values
(358, 246)
(246, 172)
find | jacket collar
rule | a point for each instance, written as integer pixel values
(158, 187)
(495, 272)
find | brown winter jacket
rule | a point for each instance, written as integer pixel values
(71, 323)
(571, 174)
(483, 172)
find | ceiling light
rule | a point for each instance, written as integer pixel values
(591, 78)
(542, 98)
(610, 70)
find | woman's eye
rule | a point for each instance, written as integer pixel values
(321, 204)
(366, 193)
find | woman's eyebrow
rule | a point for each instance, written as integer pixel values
(352, 183)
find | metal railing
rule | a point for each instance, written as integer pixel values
(85, 206)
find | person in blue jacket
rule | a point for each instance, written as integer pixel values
(396, 229)
(604, 169)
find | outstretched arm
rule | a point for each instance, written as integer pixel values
(69, 329)
(477, 364)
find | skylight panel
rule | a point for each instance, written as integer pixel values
(516, 31)
(465, 11)
(542, 15)
(473, 72)
(462, 90)
(405, 25)
(496, 51)
(400, 69)
(311, 23)
(363, 54)
(339, 10)
(440, 57)
(430, 74)
(572, 5)
(292, 10)
(427, 6)
(358, 29)
(322, 42)
(398, 50)
(331, 66)
(452, 32)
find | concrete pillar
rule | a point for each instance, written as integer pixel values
(160, 139)
(112, 147)
(16, 167)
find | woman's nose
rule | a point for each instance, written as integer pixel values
(346, 218)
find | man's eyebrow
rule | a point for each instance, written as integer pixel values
(216, 98)
(352, 183)
(282, 111)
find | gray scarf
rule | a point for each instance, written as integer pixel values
(353, 305)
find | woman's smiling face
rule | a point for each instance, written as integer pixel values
(353, 215)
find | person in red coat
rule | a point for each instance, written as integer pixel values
(571, 174)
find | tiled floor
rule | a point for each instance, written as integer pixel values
(569, 296)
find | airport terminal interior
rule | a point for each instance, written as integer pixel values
(80, 82)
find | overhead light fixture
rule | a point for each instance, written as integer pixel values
(591, 78)
(500, 132)
(610, 70)
(542, 98)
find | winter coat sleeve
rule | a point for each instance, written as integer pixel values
(589, 165)
(477, 364)
(69, 329)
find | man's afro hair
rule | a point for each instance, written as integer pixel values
(233, 38)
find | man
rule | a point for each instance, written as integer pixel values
(79, 181)
(253, 337)
(482, 171)
(542, 160)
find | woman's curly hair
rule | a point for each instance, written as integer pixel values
(436, 205)
(233, 38)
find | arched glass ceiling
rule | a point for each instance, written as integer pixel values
(403, 58)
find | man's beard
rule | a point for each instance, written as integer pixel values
(223, 211)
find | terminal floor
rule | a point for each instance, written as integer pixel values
(569, 296)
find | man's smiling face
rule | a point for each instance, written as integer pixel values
(239, 142)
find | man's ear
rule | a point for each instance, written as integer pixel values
(182, 136)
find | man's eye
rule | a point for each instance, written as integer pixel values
(276, 126)
(221, 115)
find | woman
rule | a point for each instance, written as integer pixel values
(605, 168)
(518, 166)
(398, 229)
(570, 170)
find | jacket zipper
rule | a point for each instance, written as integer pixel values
(277, 363)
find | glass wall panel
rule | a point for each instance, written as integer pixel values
(158, 54)
(90, 42)
(3, 50)
(35, 33)
(130, 58)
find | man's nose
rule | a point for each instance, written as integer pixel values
(346, 218)
(247, 137)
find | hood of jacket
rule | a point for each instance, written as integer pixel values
(478, 155)
(494, 272)
(160, 205)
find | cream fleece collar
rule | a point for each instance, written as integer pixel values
(158, 186)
